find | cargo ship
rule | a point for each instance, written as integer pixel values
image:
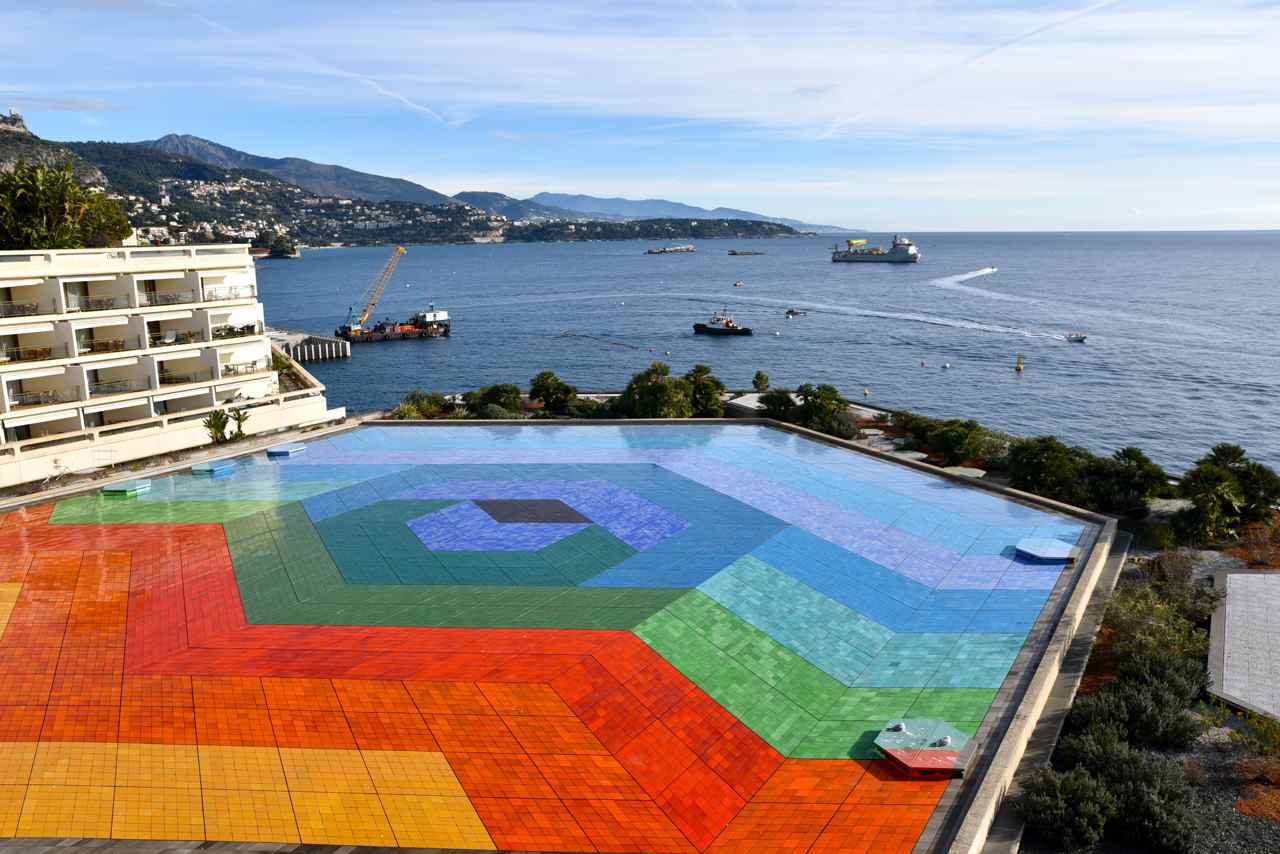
(432, 323)
(901, 251)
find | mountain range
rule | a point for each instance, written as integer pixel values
(331, 180)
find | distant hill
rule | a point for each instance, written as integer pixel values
(513, 209)
(320, 178)
(18, 143)
(619, 208)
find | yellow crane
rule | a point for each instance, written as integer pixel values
(355, 328)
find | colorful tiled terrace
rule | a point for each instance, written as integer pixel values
(639, 638)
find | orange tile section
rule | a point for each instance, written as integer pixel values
(136, 703)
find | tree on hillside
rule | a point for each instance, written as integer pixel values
(704, 392)
(44, 208)
(654, 393)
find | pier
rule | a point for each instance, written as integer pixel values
(306, 347)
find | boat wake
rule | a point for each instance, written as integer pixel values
(956, 283)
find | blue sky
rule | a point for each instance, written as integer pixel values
(893, 114)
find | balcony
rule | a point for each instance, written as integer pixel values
(214, 293)
(185, 377)
(19, 309)
(149, 299)
(75, 302)
(33, 354)
(22, 399)
(222, 333)
(174, 337)
(108, 345)
(106, 387)
(245, 369)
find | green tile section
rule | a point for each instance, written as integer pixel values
(100, 509)
(287, 575)
(782, 697)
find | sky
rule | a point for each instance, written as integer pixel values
(912, 116)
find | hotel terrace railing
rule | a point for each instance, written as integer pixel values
(148, 299)
(75, 302)
(109, 345)
(244, 369)
(174, 337)
(19, 309)
(116, 387)
(227, 331)
(184, 377)
(213, 293)
(39, 398)
(33, 354)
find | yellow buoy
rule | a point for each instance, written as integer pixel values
(1017, 364)
(866, 392)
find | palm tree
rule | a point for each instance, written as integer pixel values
(40, 208)
(704, 392)
(1226, 455)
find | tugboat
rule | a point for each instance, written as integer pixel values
(901, 251)
(721, 323)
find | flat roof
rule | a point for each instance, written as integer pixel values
(530, 637)
(1244, 659)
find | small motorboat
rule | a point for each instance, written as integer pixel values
(738, 284)
(1077, 337)
(721, 323)
(795, 312)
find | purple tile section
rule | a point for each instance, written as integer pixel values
(636, 521)
(465, 527)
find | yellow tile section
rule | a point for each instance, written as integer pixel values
(67, 811)
(430, 821)
(313, 770)
(142, 813)
(411, 772)
(173, 766)
(241, 768)
(15, 761)
(341, 818)
(11, 798)
(232, 816)
(8, 597)
(74, 763)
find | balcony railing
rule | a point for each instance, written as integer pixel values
(149, 299)
(221, 333)
(116, 387)
(75, 302)
(174, 337)
(39, 398)
(244, 369)
(19, 309)
(108, 345)
(184, 377)
(213, 293)
(33, 354)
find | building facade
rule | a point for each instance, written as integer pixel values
(108, 355)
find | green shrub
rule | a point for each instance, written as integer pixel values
(1046, 467)
(1155, 804)
(954, 441)
(777, 404)
(426, 404)
(760, 382)
(820, 408)
(1260, 734)
(493, 412)
(555, 394)
(215, 424)
(704, 392)
(405, 412)
(503, 395)
(654, 393)
(1070, 810)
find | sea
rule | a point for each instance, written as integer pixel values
(1182, 350)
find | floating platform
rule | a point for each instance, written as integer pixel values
(127, 488)
(925, 747)
(214, 467)
(1045, 550)
(290, 450)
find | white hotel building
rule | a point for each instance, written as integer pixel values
(108, 355)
